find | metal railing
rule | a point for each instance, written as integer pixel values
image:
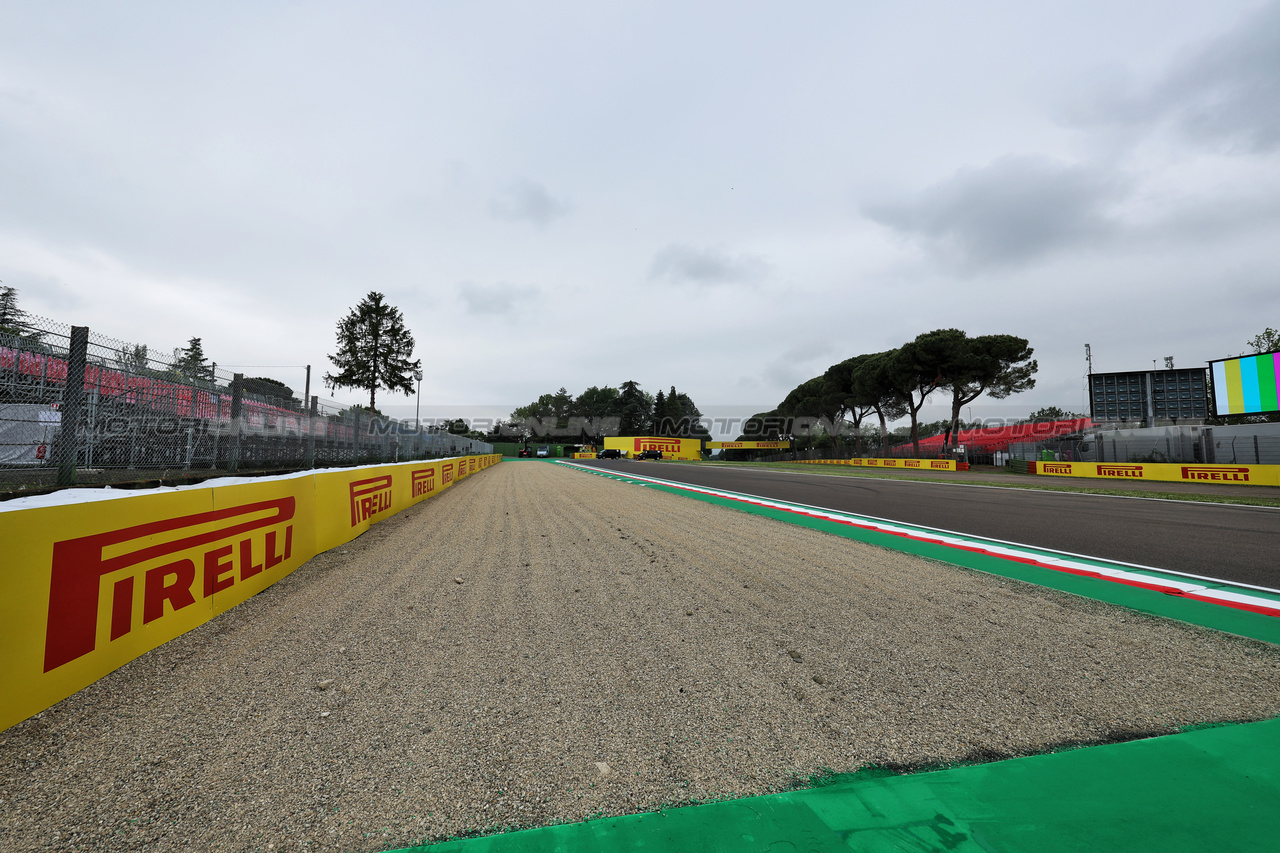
(78, 407)
(1203, 447)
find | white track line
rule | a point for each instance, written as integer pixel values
(1220, 592)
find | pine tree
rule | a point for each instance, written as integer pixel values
(10, 315)
(190, 362)
(373, 350)
(659, 414)
(635, 409)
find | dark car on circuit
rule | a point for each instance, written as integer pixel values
(609, 453)
(650, 454)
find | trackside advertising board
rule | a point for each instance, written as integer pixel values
(907, 464)
(87, 587)
(1239, 475)
(748, 445)
(672, 448)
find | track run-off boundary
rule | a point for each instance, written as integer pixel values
(1241, 609)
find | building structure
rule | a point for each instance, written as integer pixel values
(1150, 397)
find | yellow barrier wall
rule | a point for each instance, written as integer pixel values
(87, 587)
(1240, 475)
(672, 448)
(911, 464)
(748, 445)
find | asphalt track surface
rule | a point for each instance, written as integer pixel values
(1227, 542)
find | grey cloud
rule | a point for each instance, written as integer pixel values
(1226, 92)
(1010, 212)
(500, 298)
(686, 264)
(527, 201)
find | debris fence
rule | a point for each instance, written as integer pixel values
(77, 407)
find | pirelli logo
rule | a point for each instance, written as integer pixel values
(1119, 470)
(446, 474)
(910, 463)
(176, 560)
(370, 497)
(670, 445)
(1219, 473)
(938, 463)
(422, 482)
(1052, 468)
(471, 465)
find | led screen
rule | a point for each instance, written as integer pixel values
(1246, 385)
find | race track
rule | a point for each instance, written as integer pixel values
(1234, 543)
(539, 645)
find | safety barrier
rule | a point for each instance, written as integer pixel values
(671, 448)
(1239, 475)
(748, 445)
(909, 464)
(87, 587)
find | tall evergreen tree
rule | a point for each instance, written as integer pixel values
(13, 320)
(635, 407)
(190, 362)
(373, 350)
(11, 315)
(660, 414)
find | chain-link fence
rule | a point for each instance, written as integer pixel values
(78, 407)
(1234, 445)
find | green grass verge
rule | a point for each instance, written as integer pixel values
(1033, 484)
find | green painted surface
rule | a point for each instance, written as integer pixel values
(1212, 789)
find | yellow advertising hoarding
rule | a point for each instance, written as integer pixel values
(906, 464)
(1239, 475)
(748, 445)
(672, 448)
(87, 587)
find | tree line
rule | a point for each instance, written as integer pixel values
(600, 411)
(896, 383)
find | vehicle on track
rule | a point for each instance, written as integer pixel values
(650, 454)
(610, 453)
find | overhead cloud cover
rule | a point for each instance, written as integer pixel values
(1011, 211)
(683, 264)
(727, 198)
(527, 201)
(498, 298)
(1225, 92)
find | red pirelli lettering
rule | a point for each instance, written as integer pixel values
(79, 565)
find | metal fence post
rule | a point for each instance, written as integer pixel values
(216, 428)
(311, 428)
(72, 404)
(237, 399)
(355, 436)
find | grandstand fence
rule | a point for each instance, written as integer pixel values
(77, 407)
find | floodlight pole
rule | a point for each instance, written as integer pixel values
(417, 409)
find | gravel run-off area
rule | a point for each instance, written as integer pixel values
(540, 645)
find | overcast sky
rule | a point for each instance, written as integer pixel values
(724, 196)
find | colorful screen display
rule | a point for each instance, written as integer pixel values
(1246, 385)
